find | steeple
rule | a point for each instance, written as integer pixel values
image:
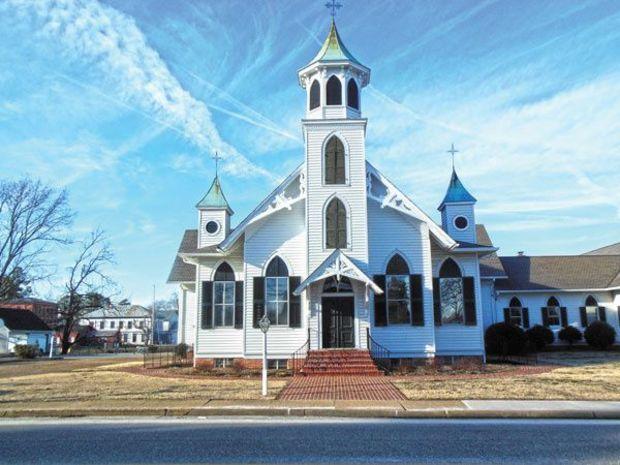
(457, 210)
(333, 49)
(456, 192)
(214, 199)
(213, 216)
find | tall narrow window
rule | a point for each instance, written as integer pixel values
(515, 312)
(352, 95)
(224, 296)
(276, 292)
(553, 312)
(451, 291)
(335, 170)
(315, 95)
(591, 310)
(398, 291)
(335, 225)
(334, 91)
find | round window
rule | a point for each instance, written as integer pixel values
(461, 222)
(212, 227)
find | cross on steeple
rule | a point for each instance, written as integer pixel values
(334, 6)
(217, 159)
(452, 151)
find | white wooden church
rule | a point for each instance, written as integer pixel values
(339, 257)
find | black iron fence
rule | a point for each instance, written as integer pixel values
(298, 358)
(161, 356)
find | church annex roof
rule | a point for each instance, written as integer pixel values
(333, 49)
(613, 249)
(182, 272)
(214, 199)
(456, 192)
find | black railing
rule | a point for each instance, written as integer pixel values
(298, 358)
(378, 353)
(160, 356)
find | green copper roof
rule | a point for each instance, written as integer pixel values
(456, 192)
(215, 197)
(333, 49)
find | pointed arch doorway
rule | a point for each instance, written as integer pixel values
(338, 313)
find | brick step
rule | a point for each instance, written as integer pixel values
(324, 363)
(342, 373)
(340, 362)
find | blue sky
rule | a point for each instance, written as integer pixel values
(124, 101)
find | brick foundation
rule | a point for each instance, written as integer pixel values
(237, 363)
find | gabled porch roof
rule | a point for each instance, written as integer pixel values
(338, 264)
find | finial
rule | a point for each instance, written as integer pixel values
(334, 6)
(217, 159)
(452, 151)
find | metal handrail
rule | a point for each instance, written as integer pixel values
(298, 358)
(379, 353)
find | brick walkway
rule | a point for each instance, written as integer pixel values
(340, 388)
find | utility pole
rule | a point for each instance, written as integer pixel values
(153, 319)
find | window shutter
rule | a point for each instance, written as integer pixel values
(207, 305)
(584, 316)
(602, 314)
(259, 300)
(506, 315)
(526, 317)
(239, 304)
(469, 297)
(563, 317)
(294, 302)
(417, 299)
(544, 316)
(380, 302)
(436, 302)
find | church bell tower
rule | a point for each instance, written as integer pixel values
(334, 134)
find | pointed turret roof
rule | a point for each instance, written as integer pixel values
(456, 192)
(333, 49)
(215, 199)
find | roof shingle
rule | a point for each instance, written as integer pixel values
(181, 271)
(22, 320)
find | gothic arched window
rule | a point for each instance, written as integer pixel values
(335, 225)
(515, 303)
(451, 292)
(315, 95)
(335, 170)
(224, 296)
(592, 311)
(334, 91)
(514, 314)
(398, 293)
(277, 292)
(553, 312)
(332, 284)
(353, 95)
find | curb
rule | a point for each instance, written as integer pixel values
(315, 412)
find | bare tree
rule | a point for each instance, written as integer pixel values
(33, 217)
(86, 285)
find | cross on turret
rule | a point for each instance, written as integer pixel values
(334, 6)
(452, 151)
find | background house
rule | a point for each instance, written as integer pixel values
(133, 322)
(24, 327)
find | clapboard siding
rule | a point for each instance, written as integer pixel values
(452, 211)
(487, 291)
(571, 300)
(459, 339)
(220, 216)
(283, 234)
(218, 342)
(391, 232)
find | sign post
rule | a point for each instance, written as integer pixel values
(264, 324)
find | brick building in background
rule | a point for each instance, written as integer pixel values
(45, 310)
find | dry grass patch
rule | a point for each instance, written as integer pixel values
(599, 381)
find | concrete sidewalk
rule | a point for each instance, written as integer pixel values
(322, 408)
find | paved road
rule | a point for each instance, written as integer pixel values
(141, 441)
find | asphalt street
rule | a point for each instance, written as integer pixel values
(334, 441)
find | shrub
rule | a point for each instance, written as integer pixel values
(504, 339)
(26, 351)
(181, 349)
(600, 335)
(539, 336)
(152, 349)
(570, 334)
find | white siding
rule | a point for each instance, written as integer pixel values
(221, 217)
(457, 339)
(284, 234)
(450, 212)
(488, 302)
(390, 232)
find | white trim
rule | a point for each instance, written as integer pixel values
(218, 264)
(217, 223)
(402, 255)
(273, 255)
(440, 264)
(553, 291)
(466, 220)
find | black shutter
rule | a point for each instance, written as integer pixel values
(563, 317)
(545, 319)
(417, 299)
(436, 302)
(380, 302)
(207, 305)
(584, 316)
(469, 297)
(526, 317)
(602, 314)
(239, 304)
(506, 315)
(259, 300)
(294, 319)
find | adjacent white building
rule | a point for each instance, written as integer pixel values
(132, 323)
(337, 255)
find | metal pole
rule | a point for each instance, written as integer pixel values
(52, 346)
(264, 363)
(153, 318)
